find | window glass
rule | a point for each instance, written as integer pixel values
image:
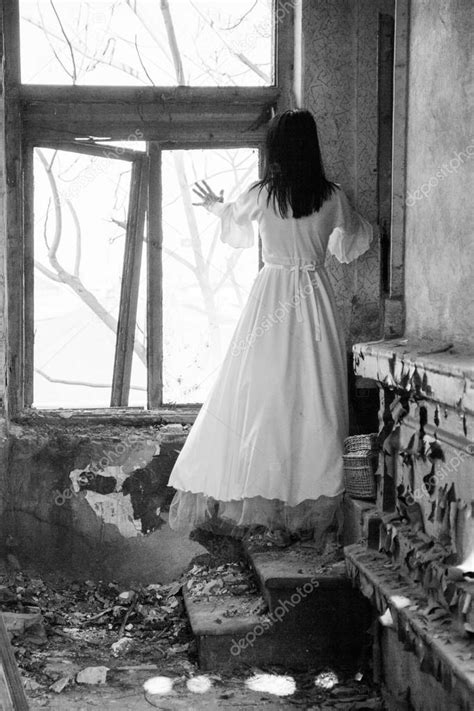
(146, 42)
(80, 214)
(205, 282)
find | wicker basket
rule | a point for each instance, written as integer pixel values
(358, 443)
(359, 468)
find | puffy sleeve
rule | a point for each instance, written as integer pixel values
(236, 218)
(351, 234)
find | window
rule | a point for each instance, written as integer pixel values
(90, 256)
(84, 221)
(147, 42)
(120, 294)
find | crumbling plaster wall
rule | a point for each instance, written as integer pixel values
(440, 172)
(81, 499)
(340, 88)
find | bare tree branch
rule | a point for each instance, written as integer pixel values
(51, 44)
(73, 281)
(239, 55)
(82, 383)
(180, 259)
(142, 64)
(239, 22)
(75, 219)
(121, 66)
(245, 60)
(174, 49)
(71, 51)
(57, 205)
(47, 272)
(231, 263)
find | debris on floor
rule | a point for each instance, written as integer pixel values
(82, 644)
(78, 632)
(227, 579)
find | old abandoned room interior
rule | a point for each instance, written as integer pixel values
(119, 298)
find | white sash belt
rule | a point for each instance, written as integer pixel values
(302, 279)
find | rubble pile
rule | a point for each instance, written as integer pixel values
(226, 579)
(233, 581)
(65, 632)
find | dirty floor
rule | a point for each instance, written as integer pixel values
(68, 635)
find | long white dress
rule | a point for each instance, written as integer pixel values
(266, 447)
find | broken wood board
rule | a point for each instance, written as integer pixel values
(12, 694)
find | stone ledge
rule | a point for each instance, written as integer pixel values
(444, 376)
(441, 651)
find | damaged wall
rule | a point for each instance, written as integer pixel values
(439, 245)
(340, 87)
(81, 499)
(432, 368)
(426, 435)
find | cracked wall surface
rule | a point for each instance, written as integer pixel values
(94, 500)
(340, 88)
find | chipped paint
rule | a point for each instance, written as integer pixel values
(113, 508)
(445, 377)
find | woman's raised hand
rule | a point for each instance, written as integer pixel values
(208, 196)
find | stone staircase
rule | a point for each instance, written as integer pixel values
(301, 612)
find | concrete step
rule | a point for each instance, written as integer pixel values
(228, 632)
(315, 602)
(302, 613)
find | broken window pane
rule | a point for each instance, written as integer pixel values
(81, 205)
(147, 42)
(205, 282)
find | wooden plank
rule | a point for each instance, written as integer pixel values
(201, 114)
(11, 39)
(284, 54)
(399, 147)
(171, 136)
(218, 129)
(155, 280)
(384, 143)
(155, 95)
(6, 701)
(94, 149)
(226, 141)
(298, 58)
(12, 693)
(130, 284)
(29, 258)
(14, 199)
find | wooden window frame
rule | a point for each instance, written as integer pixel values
(167, 117)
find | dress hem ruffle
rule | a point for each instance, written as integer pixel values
(190, 510)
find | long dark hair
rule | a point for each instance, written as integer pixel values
(294, 174)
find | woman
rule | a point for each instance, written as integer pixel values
(266, 448)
